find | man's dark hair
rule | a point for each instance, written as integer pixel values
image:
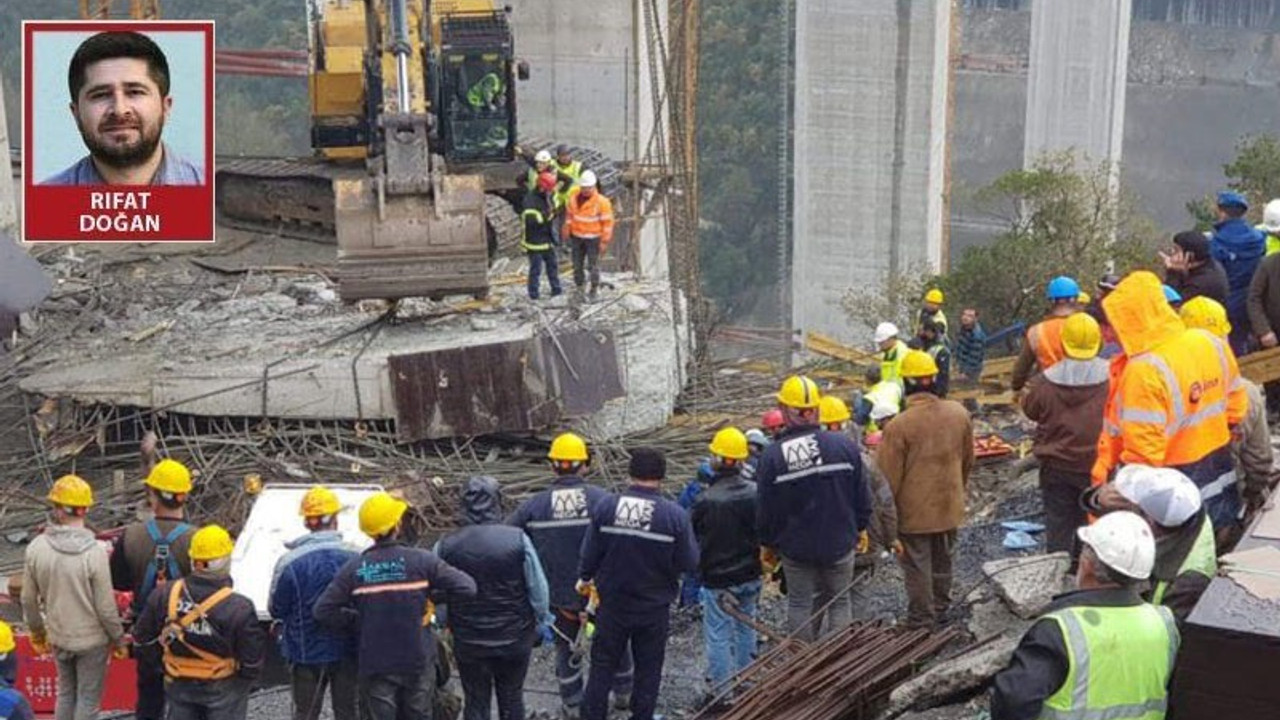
(1107, 575)
(1194, 243)
(118, 44)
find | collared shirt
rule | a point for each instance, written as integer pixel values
(172, 170)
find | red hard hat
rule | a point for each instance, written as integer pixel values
(772, 419)
(546, 181)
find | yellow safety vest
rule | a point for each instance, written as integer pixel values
(891, 363)
(1203, 560)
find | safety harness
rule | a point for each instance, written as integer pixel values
(204, 665)
(163, 565)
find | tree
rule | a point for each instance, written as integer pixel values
(895, 299)
(1255, 171)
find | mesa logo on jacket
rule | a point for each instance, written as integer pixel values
(634, 513)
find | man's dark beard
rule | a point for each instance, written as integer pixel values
(123, 158)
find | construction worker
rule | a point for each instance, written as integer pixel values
(568, 173)
(892, 350)
(1239, 247)
(487, 94)
(214, 647)
(1106, 284)
(1175, 400)
(556, 519)
(1172, 297)
(690, 585)
(67, 600)
(13, 705)
(933, 340)
(1251, 447)
(931, 311)
(588, 229)
(886, 393)
(539, 239)
(1271, 225)
(773, 423)
(724, 522)
(1263, 305)
(883, 530)
(1042, 347)
(971, 347)
(495, 630)
(382, 596)
(638, 545)
(151, 552)
(833, 414)
(757, 441)
(1066, 402)
(927, 454)
(318, 657)
(540, 163)
(1190, 269)
(814, 512)
(1100, 651)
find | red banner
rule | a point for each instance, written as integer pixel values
(38, 681)
(71, 213)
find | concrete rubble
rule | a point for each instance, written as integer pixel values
(954, 677)
(1027, 584)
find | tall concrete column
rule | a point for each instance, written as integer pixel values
(1076, 82)
(871, 89)
(8, 200)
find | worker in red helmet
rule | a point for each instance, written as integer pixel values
(773, 423)
(539, 238)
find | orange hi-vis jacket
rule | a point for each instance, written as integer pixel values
(1045, 340)
(589, 218)
(1178, 391)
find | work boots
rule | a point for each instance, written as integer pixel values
(593, 294)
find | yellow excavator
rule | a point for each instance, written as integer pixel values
(413, 120)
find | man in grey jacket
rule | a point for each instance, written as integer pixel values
(68, 603)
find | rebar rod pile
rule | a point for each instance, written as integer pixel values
(841, 677)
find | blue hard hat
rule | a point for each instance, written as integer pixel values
(1172, 295)
(1231, 198)
(1063, 288)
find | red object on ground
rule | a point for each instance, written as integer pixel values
(38, 681)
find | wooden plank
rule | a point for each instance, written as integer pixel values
(829, 346)
(1261, 367)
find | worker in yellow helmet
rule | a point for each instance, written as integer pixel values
(67, 600)
(150, 552)
(931, 312)
(833, 413)
(556, 519)
(212, 645)
(380, 598)
(814, 511)
(318, 657)
(927, 454)
(13, 705)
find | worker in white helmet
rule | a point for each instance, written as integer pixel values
(1271, 225)
(892, 350)
(588, 229)
(1100, 651)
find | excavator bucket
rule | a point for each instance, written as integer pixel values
(396, 245)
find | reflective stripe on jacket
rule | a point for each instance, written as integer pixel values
(590, 217)
(1203, 560)
(891, 363)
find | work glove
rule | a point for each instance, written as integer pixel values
(546, 636)
(584, 587)
(122, 649)
(864, 542)
(896, 547)
(40, 643)
(769, 561)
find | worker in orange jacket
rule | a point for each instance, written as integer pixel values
(588, 228)
(1042, 347)
(1175, 400)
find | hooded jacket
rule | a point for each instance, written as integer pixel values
(1066, 402)
(1239, 247)
(300, 577)
(66, 590)
(511, 591)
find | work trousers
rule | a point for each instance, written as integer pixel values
(859, 600)
(309, 685)
(586, 260)
(398, 697)
(812, 587)
(731, 643)
(501, 675)
(151, 693)
(926, 568)
(537, 261)
(647, 634)
(569, 667)
(1060, 491)
(226, 699)
(80, 679)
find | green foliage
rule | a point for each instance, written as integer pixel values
(1255, 171)
(895, 299)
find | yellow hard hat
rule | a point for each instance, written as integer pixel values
(1083, 298)
(6, 638)
(318, 502)
(71, 491)
(211, 542)
(170, 476)
(730, 443)
(934, 296)
(918, 364)
(1203, 313)
(1081, 336)
(832, 409)
(569, 448)
(380, 514)
(799, 392)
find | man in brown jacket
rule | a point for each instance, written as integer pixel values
(927, 453)
(1066, 403)
(1264, 316)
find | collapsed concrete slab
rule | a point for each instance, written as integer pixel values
(1027, 584)
(993, 617)
(950, 678)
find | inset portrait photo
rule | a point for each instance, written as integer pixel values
(118, 135)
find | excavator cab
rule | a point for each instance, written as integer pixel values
(473, 77)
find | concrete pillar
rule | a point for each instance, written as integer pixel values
(1076, 82)
(871, 92)
(8, 198)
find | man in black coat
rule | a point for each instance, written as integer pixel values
(1191, 269)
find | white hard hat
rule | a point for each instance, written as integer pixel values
(1167, 496)
(880, 411)
(588, 179)
(757, 437)
(543, 156)
(886, 330)
(1123, 542)
(1271, 216)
